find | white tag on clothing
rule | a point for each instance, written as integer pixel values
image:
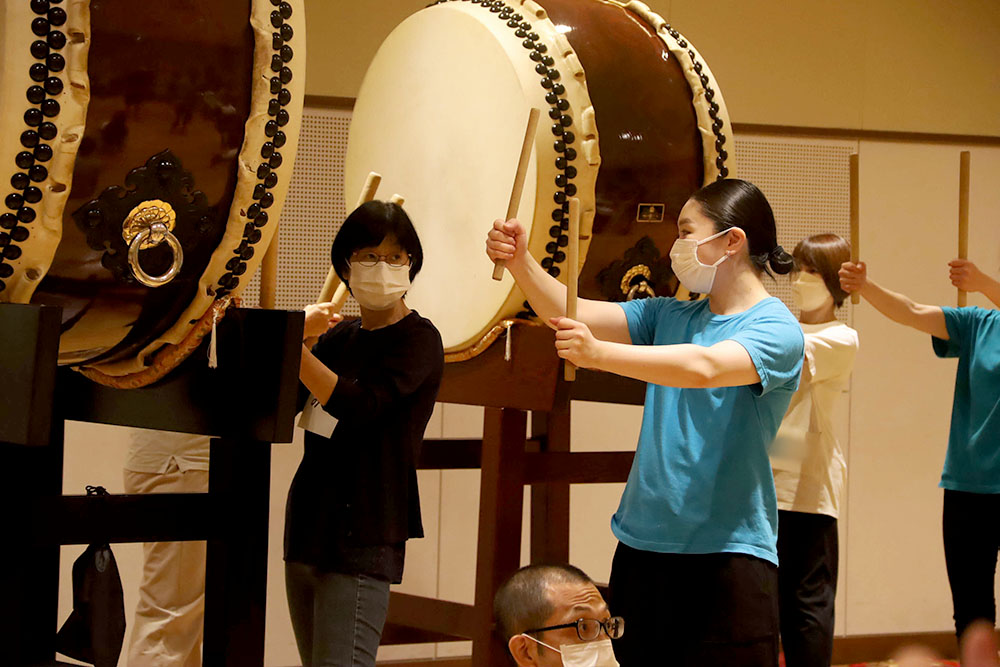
(317, 420)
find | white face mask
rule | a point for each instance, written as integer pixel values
(589, 654)
(694, 275)
(378, 287)
(809, 292)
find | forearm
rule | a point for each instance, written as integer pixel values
(992, 291)
(545, 294)
(686, 366)
(548, 298)
(317, 378)
(900, 308)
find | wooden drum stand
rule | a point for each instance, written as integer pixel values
(249, 401)
(510, 458)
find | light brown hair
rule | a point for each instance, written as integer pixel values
(824, 253)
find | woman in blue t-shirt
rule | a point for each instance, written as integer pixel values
(695, 572)
(971, 475)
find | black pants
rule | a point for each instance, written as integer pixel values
(971, 529)
(807, 585)
(697, 610)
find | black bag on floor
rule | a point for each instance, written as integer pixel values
(95, 629)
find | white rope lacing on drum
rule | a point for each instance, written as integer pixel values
(507, 345)
(219, 311)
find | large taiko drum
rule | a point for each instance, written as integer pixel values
(632, 123)
(146, 149)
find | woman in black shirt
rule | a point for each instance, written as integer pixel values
(354, 501)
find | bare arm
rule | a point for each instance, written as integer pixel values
(897, 307)
(966, 276)
(508, 241)
(725, 364)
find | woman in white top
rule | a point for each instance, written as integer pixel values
(807, 460)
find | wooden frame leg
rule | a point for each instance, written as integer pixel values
(29, 573)
(236, 572)
(501, 501)
(550, 501)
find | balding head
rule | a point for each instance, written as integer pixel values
(525, 601)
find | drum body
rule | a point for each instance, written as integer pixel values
(632, 123)
(176, 123)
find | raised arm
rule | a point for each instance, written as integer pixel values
(508, 241)
(725, 364)
(897, 307)
(966, 276)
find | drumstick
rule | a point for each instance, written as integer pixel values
(963, 216)
(269, 275)
(573, 277)
(367, 194)
(855, 217)
(522, 170)
(339, 297)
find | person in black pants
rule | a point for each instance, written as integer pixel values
(808, 462)
(696, 570)
(354, 500)
(971, 474)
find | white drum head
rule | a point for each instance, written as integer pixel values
(441, 116)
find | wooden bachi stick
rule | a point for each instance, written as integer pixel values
(855, 217)
(269, 275)
(573, 275)
(522, 169)
(963, 216)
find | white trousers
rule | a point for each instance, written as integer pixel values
(169, 617)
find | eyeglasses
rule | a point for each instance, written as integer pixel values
(396, 259)
(588, 629)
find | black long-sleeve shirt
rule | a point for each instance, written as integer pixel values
(354, 499)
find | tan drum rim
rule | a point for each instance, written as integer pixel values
(573, 128)
(265, 169)
(57, 103)
(710, 108)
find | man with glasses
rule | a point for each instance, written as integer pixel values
(553, 615)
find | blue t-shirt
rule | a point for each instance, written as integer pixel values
(973, 460)
(701, 479)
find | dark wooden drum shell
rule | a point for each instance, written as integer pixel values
(632, 124)
(651, 151)
(195, 106)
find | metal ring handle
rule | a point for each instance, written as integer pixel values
(157, 232)
(643, 287)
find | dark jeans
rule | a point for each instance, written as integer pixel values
(696, 610)
(807, 586)
(971, 529)
(337, 618)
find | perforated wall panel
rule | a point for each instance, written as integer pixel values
(313, 213)
(808, 185)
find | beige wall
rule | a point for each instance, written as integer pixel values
(901, 393)
(902, 65)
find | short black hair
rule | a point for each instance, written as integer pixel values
(366, 227)
(731, 202)
(523, 602)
